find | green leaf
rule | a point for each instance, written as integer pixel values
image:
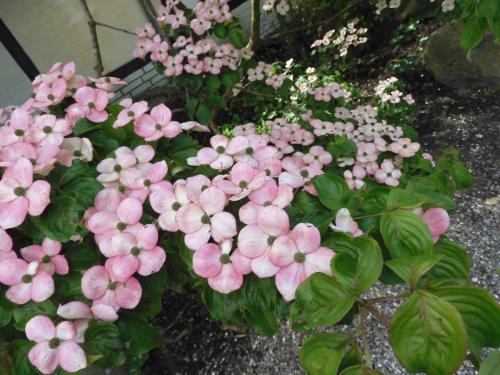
(25, 312)
(305, 203)
(454, 263)
(491, 364)
(229, 79)
(82, 255)
(473, 33)
(139, 336)
(486, 8)
(61, 219)
(411, 269)
(461, 175)
(399, 198)
(479, 310)
(405, 234)
(103, 340)
(216, 101)
(220, 31)
(332, 190)
(320, 301)
(5, 316)
(213, 83)
(235, 36)
(359, 370)
(191, 105)
(83, 126)
(358, 268)
(342, 147)
(428, 335)
(204, 114)
(322, 354)
(21, 364)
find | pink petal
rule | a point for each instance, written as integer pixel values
(252, 241)
(189, 218)
(248, 213)
(206, 260)
(39, 197)
(5, 241)
(273, 220)
(95, 282)
(123, 266)
(74, 310)
(223, 226)
(147, 237)
(242, 171)
(162, 201)
(212, 200)
(51, 247)
(162, 114)
(306, 236)
(65, 331)
(227, 281)
(207, 155)
(32, 253)
(12, 214)
(288, 280)
(71, 356)
(157, 171)
(102, 222)
(144, 126)
(437, 220)
(283, 251)
(130, 211)
(44, 358)
(168, 222)
(42, 286)
(40, 328)
(222, 162)
(264, 194)
(151, 261)
(319, 261)
(23, 170)
(241, 263)
(108, 200)
(197, 239)
(104, 312)
(144, 153)
(237, 145)
(12, 271)
(128, 295)
(61, 264)
(263, 267)
(20, 293)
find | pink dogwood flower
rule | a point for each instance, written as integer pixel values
(107, 83)
(108, 295)
(55, 346)
(299, 255)
(48, 257)
(367, 152)
(298, 174)
(216, 265)
(404, 147)
(208, 219)
(91, 103)
(242, 180)
(18, 129)
(158, 124)
(26, 281)
(20, 195)
(355, 178)
(318, 156)
(131, 112)
(221, 155)
(388, 174)
(437, 219)
(167, 204)
(345, 223)
(136, 253)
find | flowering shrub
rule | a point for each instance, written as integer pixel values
(298, 213)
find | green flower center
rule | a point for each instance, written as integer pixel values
(112, 286)
(135, 251)
(130, 114)
(77, 153)
(176, 206)
(47, 129)
(91, 105)
(204, 187)
(205, 219)
(249, 151)
(26, 278)
(19, 132)
(299, 257)
(224, 259)
(20, 191)
(50, 97)
(304, 173)
(147, 183)
(243, 184)
(54, 343)
(158, 127)
(121, 226)
(270, 240)
(220, 149)
(117, 168)
(46, 259)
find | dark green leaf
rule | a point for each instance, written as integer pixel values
(322, 354)
(359, 370)
(25, 312)
(461, 175)
(332, 190)
(491, 364)
(204, 114)
(103, 341)
(473, 33)
(213, 83)
(411, 269)
(454, 263)
(405, 234)
(139, 335)
(428, 335)
(320, 301)
(399, 198)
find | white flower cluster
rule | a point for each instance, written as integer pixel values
(392, 96)
(282, 7)
(347, 36)
(446, 5)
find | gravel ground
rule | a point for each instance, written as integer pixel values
(471, 123)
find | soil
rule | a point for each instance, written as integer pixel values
(468, 121)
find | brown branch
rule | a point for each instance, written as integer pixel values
(114, 28)
(99, 68)
(377, 314)
(255, 25)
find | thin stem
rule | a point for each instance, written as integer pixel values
(114, 28)
(255, 32)
(377, 314)
(363, 217)
(99, 68)
(372, 301)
